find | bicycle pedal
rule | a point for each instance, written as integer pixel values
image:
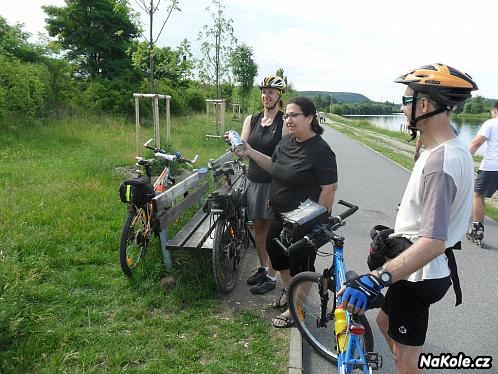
(374, 360)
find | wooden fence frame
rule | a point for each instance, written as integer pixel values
(155, 115)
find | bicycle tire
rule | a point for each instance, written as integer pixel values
(322, 340)
(226, 254)
(134, 241)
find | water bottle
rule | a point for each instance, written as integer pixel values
(340, 326)
(235, 141)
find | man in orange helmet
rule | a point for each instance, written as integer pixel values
(433, 216)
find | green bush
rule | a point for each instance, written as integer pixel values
(178, 104)
(196, 99)
(23, 88)
(102, 95)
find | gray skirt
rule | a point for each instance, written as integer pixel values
(257, 200)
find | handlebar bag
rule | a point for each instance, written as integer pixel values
(136, 191)
(302, 220)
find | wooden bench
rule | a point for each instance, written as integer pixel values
(173, 202)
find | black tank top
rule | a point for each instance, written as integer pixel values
(263, 139)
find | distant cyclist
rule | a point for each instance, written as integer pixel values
(263, 131)
(486, 182)
(433, 216)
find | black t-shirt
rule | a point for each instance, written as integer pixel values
(299, 169)
(263, 139)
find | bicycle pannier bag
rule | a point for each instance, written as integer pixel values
(137, 191)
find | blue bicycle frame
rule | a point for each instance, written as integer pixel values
(346, 358)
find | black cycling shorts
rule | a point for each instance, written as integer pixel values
(407, 305)
(486, 183)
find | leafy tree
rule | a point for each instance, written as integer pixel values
(168, 64)
(217, 43)
(14, 43)
(244, 70)
(150, 8)
(96, 34)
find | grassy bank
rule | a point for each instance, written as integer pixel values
(65, 306)
(472, 117)
(393, 138)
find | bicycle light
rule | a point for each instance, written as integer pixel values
(356, 329)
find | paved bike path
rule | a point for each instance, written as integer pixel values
(376, 185)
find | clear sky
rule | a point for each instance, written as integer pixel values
(356, 45)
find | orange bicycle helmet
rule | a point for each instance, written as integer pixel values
(273, 81)
(446, 85)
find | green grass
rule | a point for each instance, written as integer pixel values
(397, 157)
(65, 305)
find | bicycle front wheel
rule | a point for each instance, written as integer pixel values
(226, 254)
(305, 307)
(135, 239)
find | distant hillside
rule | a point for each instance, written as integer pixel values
(341, 97)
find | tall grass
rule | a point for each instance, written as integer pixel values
(65, 306)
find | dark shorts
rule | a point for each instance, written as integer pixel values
(486, 183)
(303, 260)
(407, 305)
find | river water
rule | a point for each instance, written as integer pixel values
(397, 122)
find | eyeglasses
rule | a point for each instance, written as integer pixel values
(406, 100)
(292, 115)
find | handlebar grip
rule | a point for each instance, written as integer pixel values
(295, 246)
(165, 156)
(352, 209)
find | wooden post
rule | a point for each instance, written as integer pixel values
(168, 119)
(137, 125)
(157, 135)
(207, 108)
(222, 124)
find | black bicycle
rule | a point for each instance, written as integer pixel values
(232, 232)
(141, 223)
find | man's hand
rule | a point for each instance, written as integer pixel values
(360, 292)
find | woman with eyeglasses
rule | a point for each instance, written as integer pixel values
(302, 167)
(263, 131)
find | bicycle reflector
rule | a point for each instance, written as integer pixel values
(356, 329)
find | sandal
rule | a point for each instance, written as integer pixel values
(282, 321)
(282, 300)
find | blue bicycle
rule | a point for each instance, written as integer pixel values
(337, 335)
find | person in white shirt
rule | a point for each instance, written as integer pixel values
(486, 182)
(433, 216)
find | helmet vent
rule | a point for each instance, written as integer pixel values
(427, 67)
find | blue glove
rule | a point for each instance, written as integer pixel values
(362, 291)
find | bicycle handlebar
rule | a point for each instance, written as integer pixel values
(161, 153)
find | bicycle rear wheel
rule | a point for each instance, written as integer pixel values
(135, 239)
(305, 307)
(226, 253)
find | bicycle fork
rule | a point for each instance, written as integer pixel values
(323, 287)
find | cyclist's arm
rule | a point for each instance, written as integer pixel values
(246, 129)
(261, 159)
(423, 251)
(476, 143)
(327, 195)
